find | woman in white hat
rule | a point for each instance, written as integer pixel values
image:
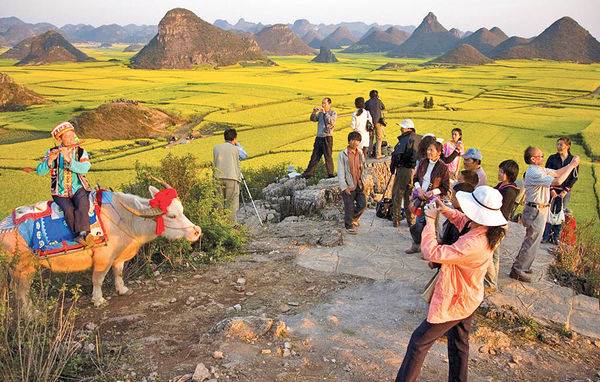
(459, 287)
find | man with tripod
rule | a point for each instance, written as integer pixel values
(226, 158)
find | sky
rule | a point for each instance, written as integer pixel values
(524, 18)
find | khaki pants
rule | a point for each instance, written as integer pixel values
(231, 195)
(375, 140)
(379, 137)
(534, 220)
(401, 191)
(491, 275)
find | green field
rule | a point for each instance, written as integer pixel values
(502, 108)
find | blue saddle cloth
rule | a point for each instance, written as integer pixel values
(46, 232)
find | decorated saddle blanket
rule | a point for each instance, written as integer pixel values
(45, 230)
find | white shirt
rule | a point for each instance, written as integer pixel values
(359, 124)
(537, 184)
(427, 179)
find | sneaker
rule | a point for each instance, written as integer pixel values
(351, 231)
(415, 248)
(519, 277)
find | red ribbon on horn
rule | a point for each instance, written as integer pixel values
(162, 200)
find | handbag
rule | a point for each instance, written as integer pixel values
(430, 287)
(556, 217)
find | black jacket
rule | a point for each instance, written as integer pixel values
(375, 106)
(405, 152)
(555, 162)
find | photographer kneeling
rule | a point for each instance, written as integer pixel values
(459, 287)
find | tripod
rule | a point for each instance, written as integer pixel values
(252, 200)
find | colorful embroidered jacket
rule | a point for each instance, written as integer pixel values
(66, 178)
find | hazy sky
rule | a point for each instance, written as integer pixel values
(516, 17)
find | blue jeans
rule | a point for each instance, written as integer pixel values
(552, 232)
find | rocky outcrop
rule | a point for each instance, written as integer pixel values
(15, 97)
(293, 197)
(184, 40)
(325, 56)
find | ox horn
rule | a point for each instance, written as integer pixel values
(145, 213)
(164, 184)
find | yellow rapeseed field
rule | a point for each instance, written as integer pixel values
(502, 108)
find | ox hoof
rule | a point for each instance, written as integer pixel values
(125, 292)
(99, 302)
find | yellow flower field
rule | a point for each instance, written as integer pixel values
(502, 108)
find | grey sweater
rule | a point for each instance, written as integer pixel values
(325, 122)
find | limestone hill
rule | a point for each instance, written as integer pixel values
(184, 40)
(16, 97)
(123, 120)
(378, 40)
(463, 55)
(429, 39)
(325, 56)
(279, 40)
(48, 48)
(338, 38)
(484, 40)
(564, 40)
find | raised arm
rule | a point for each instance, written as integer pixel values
(563, 173)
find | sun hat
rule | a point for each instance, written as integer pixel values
(61, 128)
(482, 206)
(407, 124)
(473, 153)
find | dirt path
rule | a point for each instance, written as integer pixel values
(340, 327)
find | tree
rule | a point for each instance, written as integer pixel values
(431, 102)
(425, 103)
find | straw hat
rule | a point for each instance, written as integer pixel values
(482, 206)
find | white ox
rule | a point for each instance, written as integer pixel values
(130, 223)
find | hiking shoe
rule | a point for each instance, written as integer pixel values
(415, 248)
(351, 231)
(519, 277)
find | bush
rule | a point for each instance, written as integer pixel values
(202, 199)
(39, 346)
(578, 266)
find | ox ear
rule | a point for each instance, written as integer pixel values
(153, 190)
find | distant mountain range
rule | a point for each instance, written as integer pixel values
(14, 30)
(564, 40)
(302, 27)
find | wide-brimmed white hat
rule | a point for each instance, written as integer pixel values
(482, 206)
(407, 124)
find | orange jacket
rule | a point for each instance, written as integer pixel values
(459, 287)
